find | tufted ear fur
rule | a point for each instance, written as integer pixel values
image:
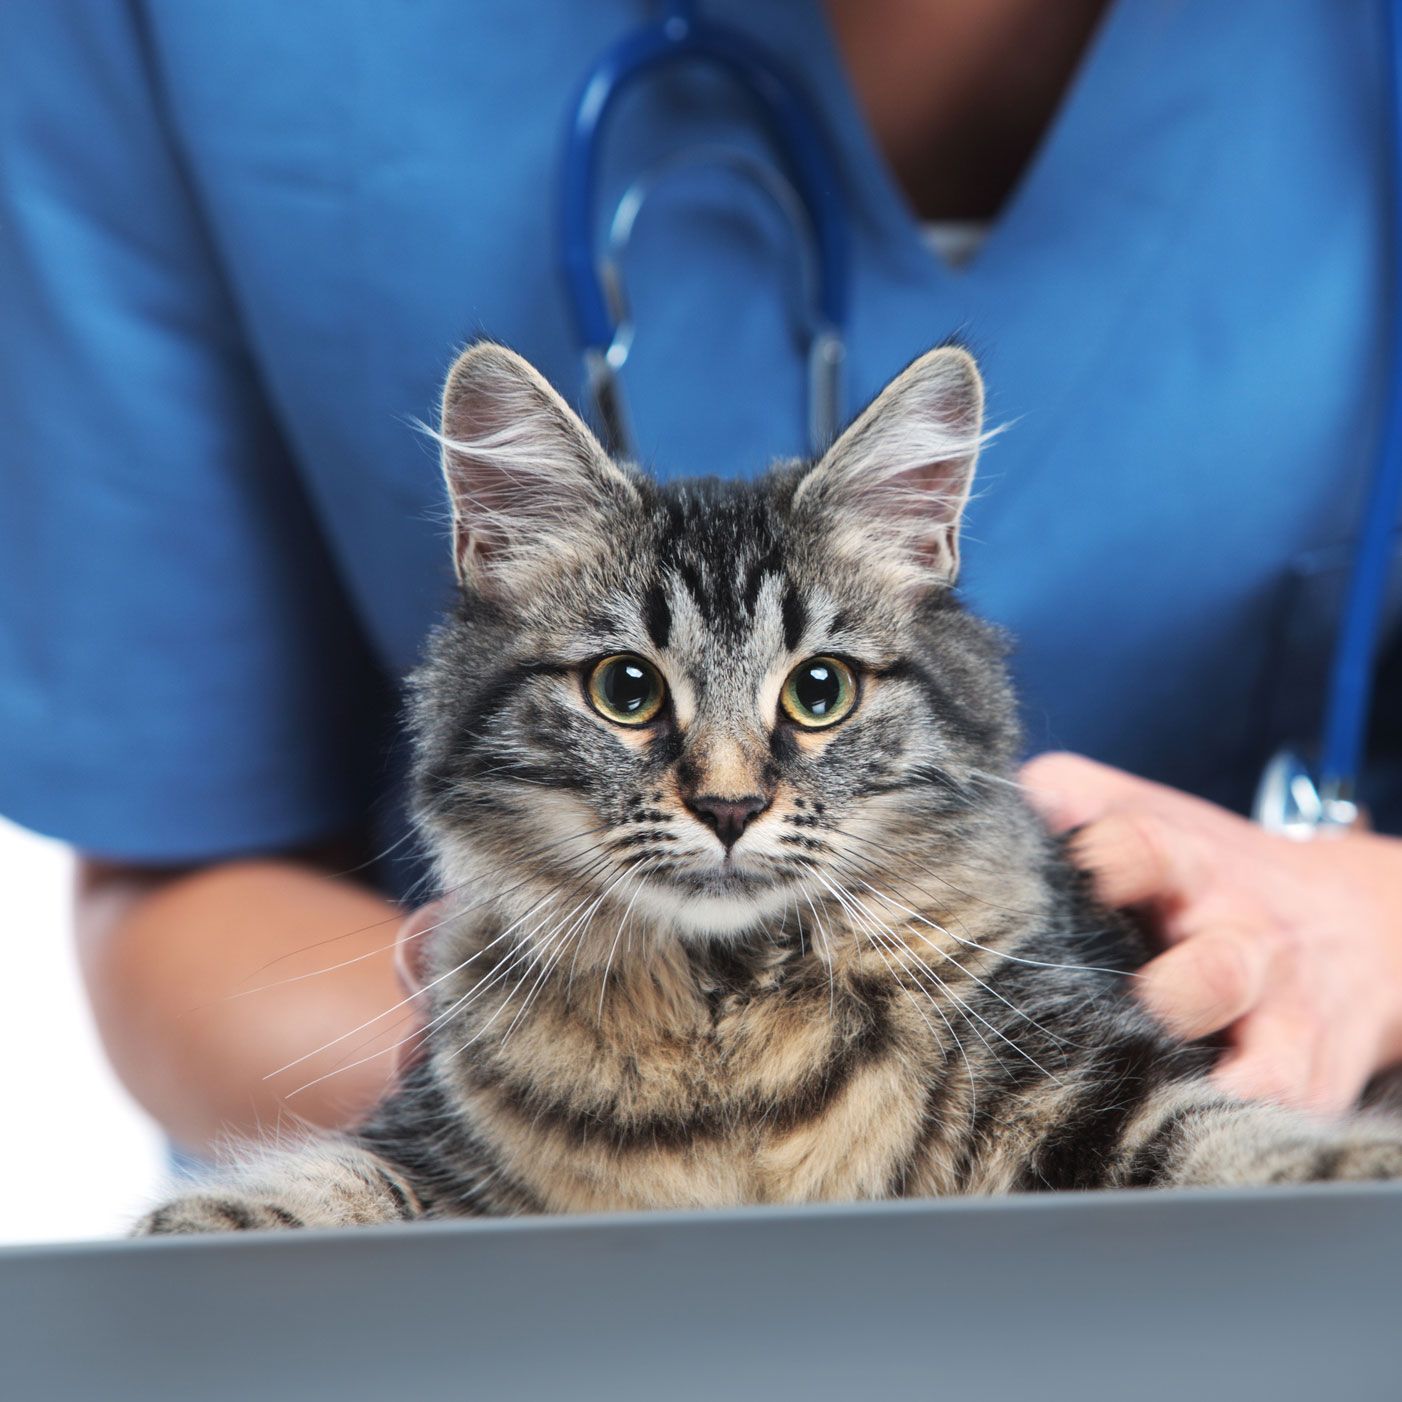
(894, 485)
(525, 476)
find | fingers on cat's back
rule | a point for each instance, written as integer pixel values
(1206, 983)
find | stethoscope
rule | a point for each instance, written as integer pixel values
(1295, 797)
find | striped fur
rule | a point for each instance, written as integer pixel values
(892, 984)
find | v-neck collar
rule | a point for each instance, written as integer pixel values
(1102, 204)
(1072, 156)
(882, 204)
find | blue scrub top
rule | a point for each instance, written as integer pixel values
(240, 244)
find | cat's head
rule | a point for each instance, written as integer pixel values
(710, 701)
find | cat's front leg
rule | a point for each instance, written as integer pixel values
(1193, 1137)
(331, 1182)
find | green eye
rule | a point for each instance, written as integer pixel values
(626, 689)
(819, 692)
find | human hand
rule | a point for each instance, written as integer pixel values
(1294, 948)
(410, 968)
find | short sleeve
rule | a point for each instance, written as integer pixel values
(181, 676)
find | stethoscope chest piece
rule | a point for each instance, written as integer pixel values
(1289, 802)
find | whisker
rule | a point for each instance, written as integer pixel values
(874, 928)
(825, 954)
(997, 1032)
(456, 1007)
(546, 900)
(524, 950)
(1002, 953)
(983, 776)
(885, 855)
(608, 963)
(963, 968)
(397, 916)
(408, 836)
(949, 1026)
(563, 943)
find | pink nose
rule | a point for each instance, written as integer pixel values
(729, 817)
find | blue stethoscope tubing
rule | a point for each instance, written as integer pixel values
(1355, 653)
(676, 37)
(1295, 797)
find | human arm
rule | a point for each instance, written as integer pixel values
(1293, 949)
(205, 981)
(182, 676)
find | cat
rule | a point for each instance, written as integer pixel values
(743, 902)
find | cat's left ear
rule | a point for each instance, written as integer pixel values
(893, 488)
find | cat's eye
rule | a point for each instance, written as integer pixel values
(819, 692)
(626, 689)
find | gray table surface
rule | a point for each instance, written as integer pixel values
(1243, 1296)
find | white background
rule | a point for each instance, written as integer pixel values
(77, 1157)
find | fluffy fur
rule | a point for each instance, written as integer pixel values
(891, 983)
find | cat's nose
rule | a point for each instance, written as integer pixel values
(728, 816)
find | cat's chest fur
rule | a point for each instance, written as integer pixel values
(694, 1079)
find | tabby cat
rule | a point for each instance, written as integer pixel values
(743, 906)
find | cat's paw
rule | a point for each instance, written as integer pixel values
(1359, 1161)
(1360, 1154)
(215, 1212)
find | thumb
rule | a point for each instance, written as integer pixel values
(411, 967)
(1205, 983)
(410, 952)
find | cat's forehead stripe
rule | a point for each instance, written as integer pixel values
(795, 615)
(721, 605)
(721, 541)
(657, 615)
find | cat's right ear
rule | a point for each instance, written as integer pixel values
(525, 475)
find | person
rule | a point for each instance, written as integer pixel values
(239, 246)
